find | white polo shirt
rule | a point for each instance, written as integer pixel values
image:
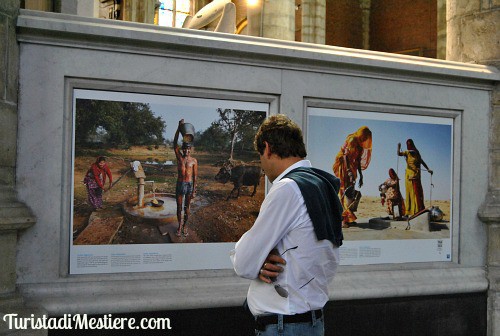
(283, 223)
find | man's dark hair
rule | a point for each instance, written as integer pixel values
(283, 135)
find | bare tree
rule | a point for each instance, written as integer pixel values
(236, 123)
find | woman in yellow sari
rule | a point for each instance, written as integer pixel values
(354, 157)
(413, 185)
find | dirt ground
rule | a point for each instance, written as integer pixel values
(212, 217)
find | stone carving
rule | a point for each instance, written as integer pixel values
(218, 16)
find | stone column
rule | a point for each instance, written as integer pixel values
(139, 10)
(41, 5)
(88, 8)
(472, 31)
(313, 21)
(14, 216)
(366, 12)
(278, 19)
(472, 37)
(490, 214)
(254, 19)
(441, 29)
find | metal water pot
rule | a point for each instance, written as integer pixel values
(187, 131)
(436, 214)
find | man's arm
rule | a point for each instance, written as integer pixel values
(176, 139)
(279, 209)
(195, 176)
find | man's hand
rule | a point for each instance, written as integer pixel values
(270, 268)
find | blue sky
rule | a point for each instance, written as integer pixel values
(328, 128)
(201, 116)
(197, 111)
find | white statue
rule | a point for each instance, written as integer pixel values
(218, 16)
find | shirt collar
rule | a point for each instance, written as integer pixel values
(301, 163)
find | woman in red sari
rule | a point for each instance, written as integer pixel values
(354, 157)
(95, 180)
(414, 192)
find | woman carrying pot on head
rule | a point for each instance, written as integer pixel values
(95, 180)
(414, 192)
(354, 157)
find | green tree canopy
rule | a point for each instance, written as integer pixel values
(212, 139)
(117, 123)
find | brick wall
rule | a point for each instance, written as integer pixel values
(343, 23)
(399, 25)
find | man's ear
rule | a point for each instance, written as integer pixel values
(267, 149)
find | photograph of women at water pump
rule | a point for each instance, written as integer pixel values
(394, 198)
(175, 163)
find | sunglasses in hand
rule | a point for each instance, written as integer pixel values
(280, 290)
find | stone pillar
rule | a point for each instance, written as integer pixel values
(441, 29)
(313, 21)
(278, 19)
(472, 31)
(365, 22)
(14, 216)
(489, 213)
(139, 10)
(88, 8)
(472, 37)
(41, 5)
(254, 19)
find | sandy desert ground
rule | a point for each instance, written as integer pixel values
(370, 208)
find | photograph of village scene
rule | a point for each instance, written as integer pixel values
(401, 151)
(129, 174)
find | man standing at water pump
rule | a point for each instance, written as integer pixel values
(187, 172)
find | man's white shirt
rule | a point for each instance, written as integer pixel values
(283, 223)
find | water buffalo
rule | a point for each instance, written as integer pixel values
(240, 176)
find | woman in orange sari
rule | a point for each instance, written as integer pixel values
(354, 157)
(414, 192)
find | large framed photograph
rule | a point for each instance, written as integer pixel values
(161, 182)
(402, 209)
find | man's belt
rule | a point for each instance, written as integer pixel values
(262, 321)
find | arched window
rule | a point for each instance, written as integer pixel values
(172, 13)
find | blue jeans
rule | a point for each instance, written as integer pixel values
(314, 328)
